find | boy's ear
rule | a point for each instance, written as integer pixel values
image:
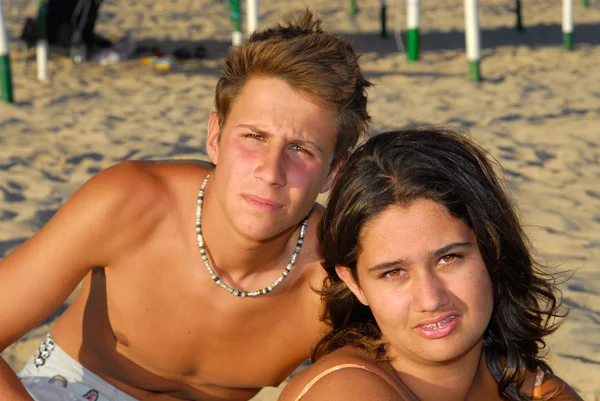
(345, 274)
(332, 175)
(212, 138)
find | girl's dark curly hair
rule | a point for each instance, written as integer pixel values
(399, 167)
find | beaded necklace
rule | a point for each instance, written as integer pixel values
(212, 273)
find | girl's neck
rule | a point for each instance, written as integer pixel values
(464, 379)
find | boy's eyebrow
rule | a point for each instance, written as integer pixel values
(437, 253)
(259, 131)
(255, 129)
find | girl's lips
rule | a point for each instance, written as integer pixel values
(440, 328)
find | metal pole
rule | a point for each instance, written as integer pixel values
(519, 24)
(412, 34)
(41, 52)
(252, 15)
(6, 91)
(383, 17)
(236, 36)
(472, 39)
(567, 24)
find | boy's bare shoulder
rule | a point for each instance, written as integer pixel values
(144, 182)
(343, 375)
(133, 196)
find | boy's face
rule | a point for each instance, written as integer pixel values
(272, 157)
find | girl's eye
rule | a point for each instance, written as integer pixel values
(450, 258)
(393, 274)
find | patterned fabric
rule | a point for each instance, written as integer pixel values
(539, 379)
(52, 375)
(44, 351)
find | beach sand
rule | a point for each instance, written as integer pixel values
(537, 112)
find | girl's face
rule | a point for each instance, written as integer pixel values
(420, 271)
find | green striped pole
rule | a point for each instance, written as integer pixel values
(383, 17)
(353, 7)
(567, 24)
(236, 36)
(472, 39)
(519, 24)
(6, 91)
(41, 52)
(586, 3)
(412, 34)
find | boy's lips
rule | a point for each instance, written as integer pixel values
(262, 203)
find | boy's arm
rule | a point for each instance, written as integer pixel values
(10, 385)
(88, 231)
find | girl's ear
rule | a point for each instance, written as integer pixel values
(345, 274)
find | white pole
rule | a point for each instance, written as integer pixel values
(413, 19)
(252, 15)
(41, 56)
(567, 24)
(6, 92)
(41, 52)
(472, 38)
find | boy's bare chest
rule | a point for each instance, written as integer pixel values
(176, 331)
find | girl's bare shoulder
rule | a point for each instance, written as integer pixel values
(558, 390)
(345, 374)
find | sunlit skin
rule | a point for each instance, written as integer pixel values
(419, 266)
(149, 319)
(273, 157)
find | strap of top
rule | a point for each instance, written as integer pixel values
(539, 379)
(537, 389)
(325, 373)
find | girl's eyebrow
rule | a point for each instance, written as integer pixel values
(387, 265)
(450, 247)
(436, 253)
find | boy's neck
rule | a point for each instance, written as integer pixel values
(238, 255)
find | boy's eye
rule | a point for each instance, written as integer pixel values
(300, 149)
(394, 273)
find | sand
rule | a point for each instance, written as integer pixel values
(537, 112)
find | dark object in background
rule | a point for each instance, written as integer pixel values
(70, 25)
